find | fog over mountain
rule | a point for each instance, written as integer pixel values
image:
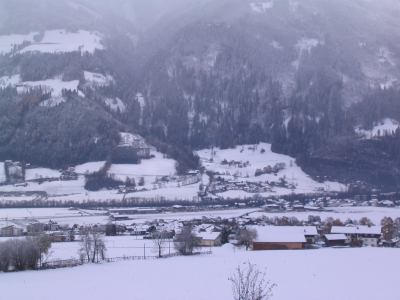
(317, 79)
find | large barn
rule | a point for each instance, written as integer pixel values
(283, 237)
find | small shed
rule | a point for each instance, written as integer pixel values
(335, 239)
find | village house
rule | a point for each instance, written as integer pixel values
(359, 235)
(34, 228)
(209, 238)
(10, 231)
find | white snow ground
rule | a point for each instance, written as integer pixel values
(62, 41)
(31, 174)
(115, 104)
(360, 273)
(12, 80)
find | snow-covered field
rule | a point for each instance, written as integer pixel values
(7, 42)
(2, 172)
(10, 80)
(62, 41)
(385, 127)
(149, 168)
(31, 174)
(361, 273)
(89, 167)
(54, 86)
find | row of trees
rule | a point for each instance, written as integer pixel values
(23, 254)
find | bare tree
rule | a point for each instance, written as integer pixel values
(92, 245)
(247, 236)
(186, 240)
(249, 283)
(159, 240)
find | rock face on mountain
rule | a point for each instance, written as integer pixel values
(307, 76)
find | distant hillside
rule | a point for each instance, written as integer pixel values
(305, 76)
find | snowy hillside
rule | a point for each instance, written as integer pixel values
(259, 157)
(62, 41)
(7, 42)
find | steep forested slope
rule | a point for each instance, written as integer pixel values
(301, 75)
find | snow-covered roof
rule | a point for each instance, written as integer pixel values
(207, 235)
(287, 237)
(265, 233)
(335, 237)
(356, 229)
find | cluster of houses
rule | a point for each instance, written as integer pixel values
(52, 229)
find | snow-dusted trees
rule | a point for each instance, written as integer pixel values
(365, 222)
(249, 283)
(247, 236)
(92, 245)
(186, 240)
(390, 228)
(22, 254)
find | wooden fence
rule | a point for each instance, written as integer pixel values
(65, 263)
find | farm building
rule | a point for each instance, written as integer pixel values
(338, 239)
(284, 237)
(209, 238)
(360, 235)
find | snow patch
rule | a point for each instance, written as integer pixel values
(385, 56)
(385, 127)
(10, 80)
(98, 79)
(115, 104)
(90, 167)
(133, 140)
(261, 6)
(2, 172)
(55, 41)
(276, 45)
(31, 174)
(306, 44)
(7, 42)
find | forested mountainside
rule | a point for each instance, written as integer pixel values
(312, 77)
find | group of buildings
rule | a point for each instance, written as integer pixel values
(52, 229)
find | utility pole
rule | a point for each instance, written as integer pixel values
(144, 247)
